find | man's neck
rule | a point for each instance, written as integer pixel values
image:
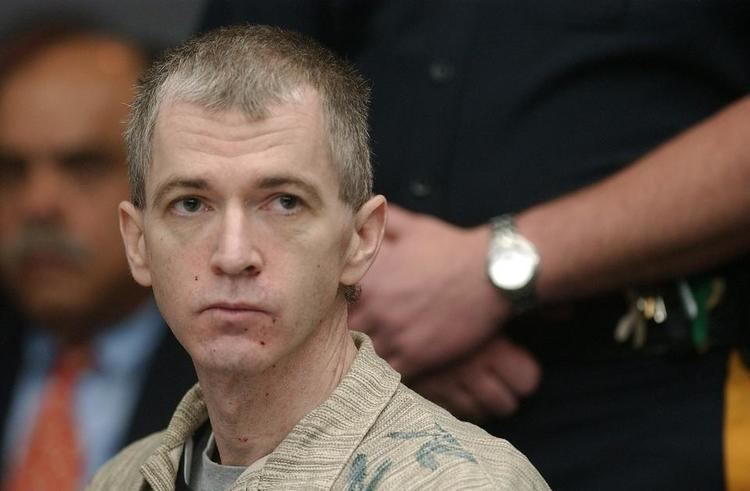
(251, 414)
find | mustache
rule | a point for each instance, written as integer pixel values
(44, 239)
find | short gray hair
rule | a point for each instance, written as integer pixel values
(251, 68)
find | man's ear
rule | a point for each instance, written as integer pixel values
(369, 227)
(131, 228)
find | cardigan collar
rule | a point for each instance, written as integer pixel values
(316, 449)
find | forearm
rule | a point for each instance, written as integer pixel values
(681, 208)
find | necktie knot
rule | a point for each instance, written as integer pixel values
(73, 360)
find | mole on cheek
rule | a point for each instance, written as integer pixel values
(262, 343)
(196, 278)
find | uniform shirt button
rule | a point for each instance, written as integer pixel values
(441, 71)
(419, 188)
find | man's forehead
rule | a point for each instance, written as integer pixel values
(179, 120)
(191, 137)
(300, 101)
(81, 59)
(69, 94)
(191, 143)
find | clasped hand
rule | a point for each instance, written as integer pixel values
(431, 313)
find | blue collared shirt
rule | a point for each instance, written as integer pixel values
(105, 395)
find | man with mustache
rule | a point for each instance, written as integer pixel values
(91, 367)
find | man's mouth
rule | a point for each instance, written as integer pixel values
(235, 311)
(238, 306)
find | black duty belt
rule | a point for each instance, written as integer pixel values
(684, 318)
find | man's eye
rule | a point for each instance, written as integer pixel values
(12, 169)
(288, 202)
(88, 163)
(188, 205)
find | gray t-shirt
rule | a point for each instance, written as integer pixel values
(202, 472)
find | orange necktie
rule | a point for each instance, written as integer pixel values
(53, 458)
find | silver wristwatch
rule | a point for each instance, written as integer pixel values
(512, 263)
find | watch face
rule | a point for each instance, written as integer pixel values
(513, 264)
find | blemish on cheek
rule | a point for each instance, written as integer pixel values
(196, 278)
(273, 321)
(266, 394)
(262, 343)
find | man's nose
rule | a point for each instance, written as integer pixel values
(236, 252)
(42, 189)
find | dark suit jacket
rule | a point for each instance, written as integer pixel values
(169, 375)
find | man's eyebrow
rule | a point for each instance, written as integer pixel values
(285, 180)
(178, 183)
(91, 157)
(9, 154)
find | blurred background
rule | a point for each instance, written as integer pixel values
(158, 22)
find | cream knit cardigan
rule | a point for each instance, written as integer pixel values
(371, 433)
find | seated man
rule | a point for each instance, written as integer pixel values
(89, 365)
(252, 218)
